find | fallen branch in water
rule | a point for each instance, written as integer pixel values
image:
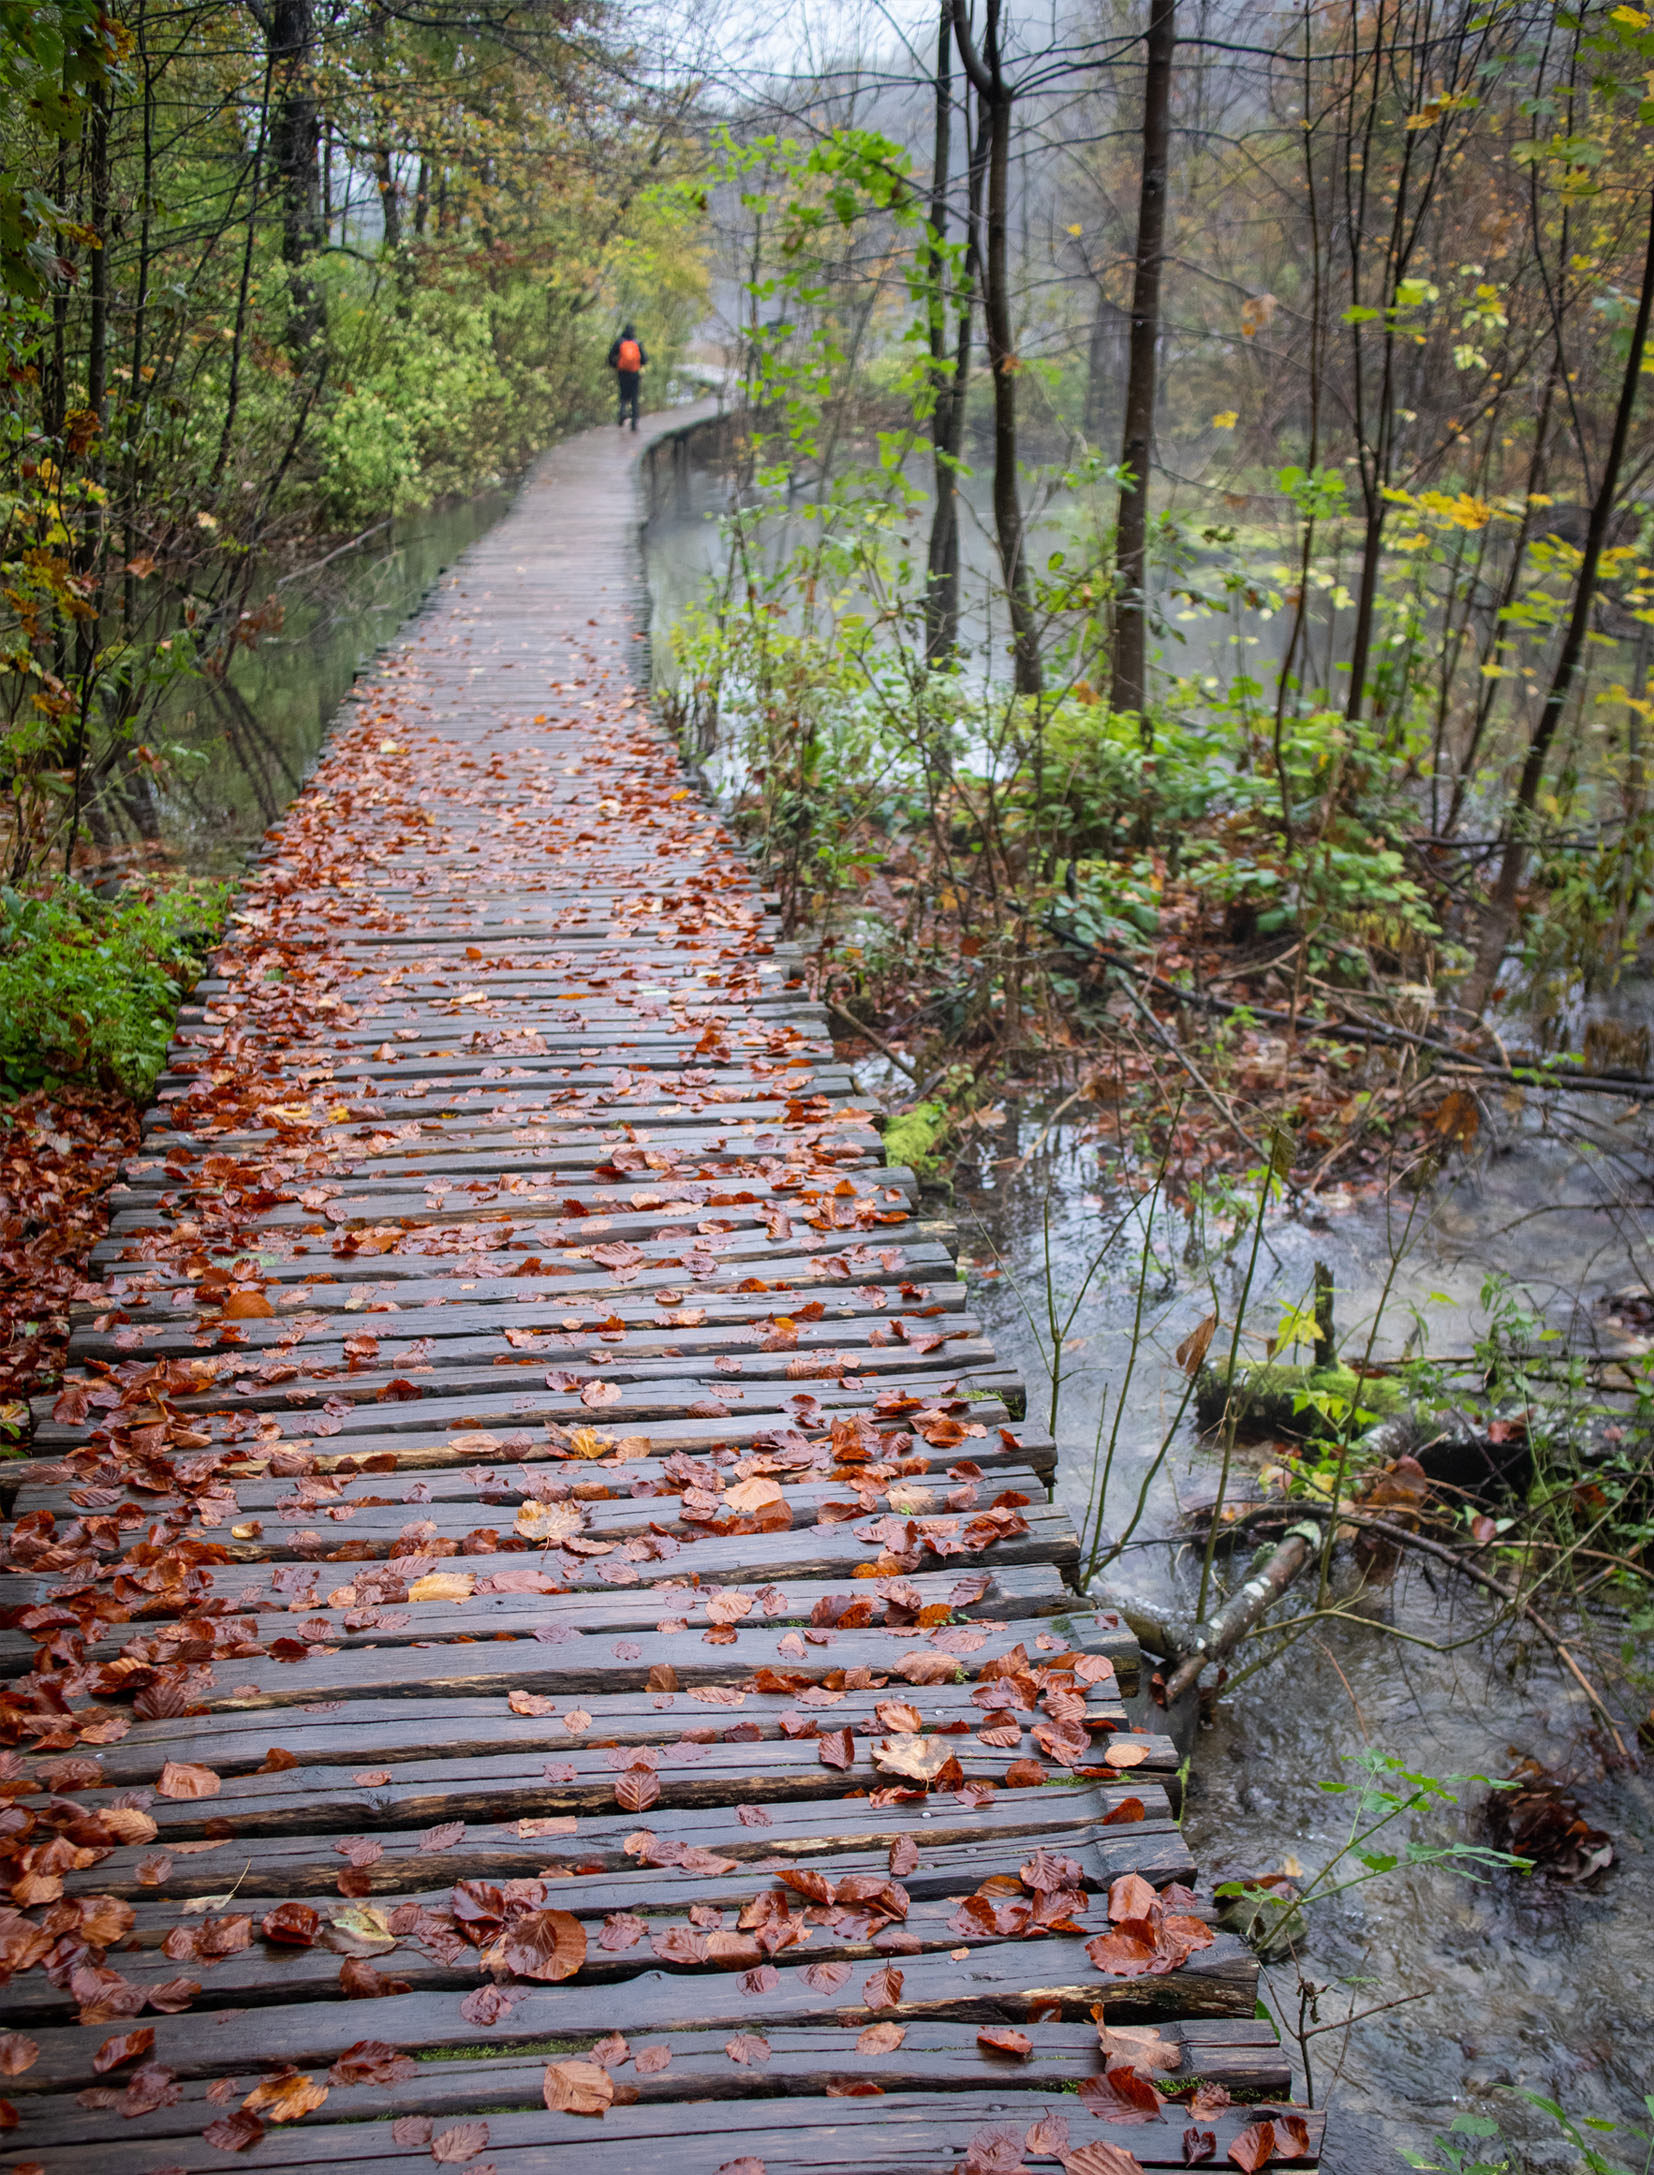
(1222, 1633)
(1454, 1559)
(872, 1035)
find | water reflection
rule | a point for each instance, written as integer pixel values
(240, 748)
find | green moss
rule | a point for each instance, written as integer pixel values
(525, 2049)
(1272, 1398)
(915, 1139)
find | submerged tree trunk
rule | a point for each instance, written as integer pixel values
(987, 74)
(1500, 915)
(1130, 679)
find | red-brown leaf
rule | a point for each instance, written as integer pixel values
(578, 2088)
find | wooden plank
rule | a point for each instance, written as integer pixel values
(310, 1864)
(899, 2133)
(806, 2060)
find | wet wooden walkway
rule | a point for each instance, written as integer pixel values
(537, 1635)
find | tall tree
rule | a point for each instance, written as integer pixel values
(947, 413)
(997, 97)
(1130, 683)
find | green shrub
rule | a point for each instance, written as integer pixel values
(89, 987)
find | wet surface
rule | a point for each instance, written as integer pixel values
(1511, 1984)
(240, 749)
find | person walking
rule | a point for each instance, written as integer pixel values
(628, 361)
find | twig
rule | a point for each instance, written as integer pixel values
(1535, 1076)
(1023, 1162)
(1441, 1553)
(872, 1035)
(1217, 1101)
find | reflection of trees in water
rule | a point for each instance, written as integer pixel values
(246, 739)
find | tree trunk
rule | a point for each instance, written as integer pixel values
(947, 402)
(1500, 915)
(987, 74)
(295, 145)
(1130, 688)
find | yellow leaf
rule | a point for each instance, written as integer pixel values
(1226, 419)
(442, 1586)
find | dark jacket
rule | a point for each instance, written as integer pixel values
(614, 354)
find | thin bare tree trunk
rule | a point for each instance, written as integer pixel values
(987, 73)
(1501, 908)
(947, 394)
(1130, 682)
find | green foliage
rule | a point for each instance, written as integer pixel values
(89, 987)
(1459, 2152)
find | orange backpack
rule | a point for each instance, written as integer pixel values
(630, 356)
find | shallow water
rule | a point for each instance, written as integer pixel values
(1524, 1986)
(245, 748)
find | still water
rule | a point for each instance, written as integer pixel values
(241, 750)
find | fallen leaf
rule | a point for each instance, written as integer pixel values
(293, 1924)
(881, 2038)
(233, 2132)
(453, 2147)
(1121, 2094)
(1191, 1353)
(882, 1989)
(287, 2098)
(578, 2088)
(443, 1586)
(372, 2061)
(637, 1789)
(1004, 2039)
(127, 2047)
(650, 2061)
(1101, 2159)
(183, 1779)
(747, 2048)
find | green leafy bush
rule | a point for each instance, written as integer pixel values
(89, 987)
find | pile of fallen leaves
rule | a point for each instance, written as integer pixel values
(59, 1155)
(1540, 1819)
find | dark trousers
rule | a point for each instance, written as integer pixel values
(628, 395)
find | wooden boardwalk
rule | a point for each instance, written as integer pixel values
(537, 1589)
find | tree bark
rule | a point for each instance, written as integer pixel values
(987, 74)
(947, 392)
(295, 148)
(1130, 681)
(1500, 914)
